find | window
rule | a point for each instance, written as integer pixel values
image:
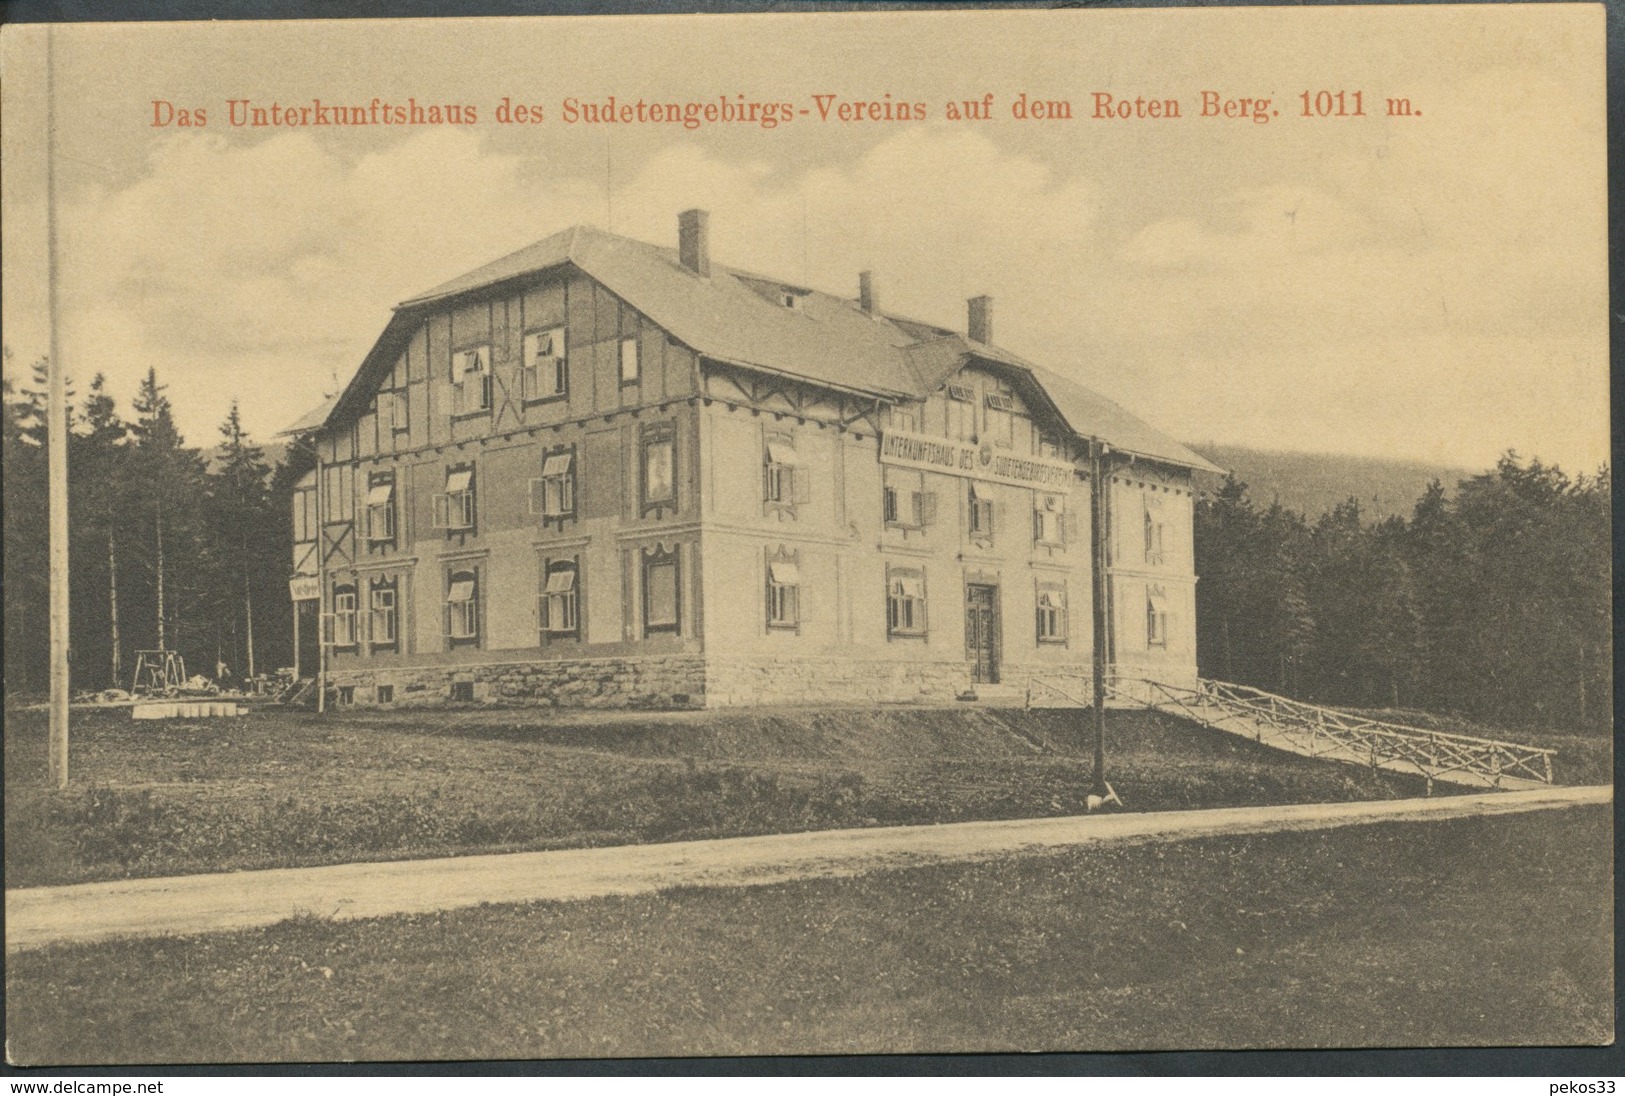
(545, 369)
(783, 593)
(380, 523)
(631, 366)
(905, 603)
(1049, 446)
(1153, 530)
(1051, 614)
(462, 606)
(904, 418)
(462, 692)
(454, 510)
(342, 633)
(304, 515)
(1049, 519)
(382, 623)
(660, 591)
(980, 513)
(346, 695)
(386, 694)
(338, 493)
(304, 529)
(783, 478)
(1001, 419)
(659, 467)
(554, 494)
(961, 410)
(392, 413)
(906, 504)
(1156, 617)
(561, 599)
(471, 380)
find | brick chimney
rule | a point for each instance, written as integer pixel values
(694, 241)
(980, 326)
(868, 296)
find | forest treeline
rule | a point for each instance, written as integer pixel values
(168, 549)
(1492, 602)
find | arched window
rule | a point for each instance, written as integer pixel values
(661, 591)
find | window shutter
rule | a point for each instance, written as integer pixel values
(928, 508)
(803, 485)
(538, 497)
(1038, 525)
(1071, 526)
(442, 511)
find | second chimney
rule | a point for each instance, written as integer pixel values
(980, 326)
(868, 296)
(694, 241)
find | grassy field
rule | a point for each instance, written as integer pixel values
(1470, 932)
(278, 788)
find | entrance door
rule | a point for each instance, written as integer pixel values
(982, 633)
(308, 622)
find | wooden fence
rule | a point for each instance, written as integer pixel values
(1315, 731)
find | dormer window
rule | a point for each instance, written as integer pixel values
(790, 300)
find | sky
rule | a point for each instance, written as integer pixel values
(1429, 286)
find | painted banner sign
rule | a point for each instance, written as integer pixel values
(304, 588)
(983, 462)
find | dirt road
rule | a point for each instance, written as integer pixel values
(39, 916)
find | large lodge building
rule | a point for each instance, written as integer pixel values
(600, 472)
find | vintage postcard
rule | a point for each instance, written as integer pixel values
(843, 533)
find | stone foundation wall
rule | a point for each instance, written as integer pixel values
(740, 682)
(683, 681)
(671, 682)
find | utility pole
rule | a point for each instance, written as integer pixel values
(57, 448)
(323, 622)
(1097, 573)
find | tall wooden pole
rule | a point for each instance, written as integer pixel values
(57, 448)
(1097, 573)
(321, 593)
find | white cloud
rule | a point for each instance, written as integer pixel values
(1296, 312)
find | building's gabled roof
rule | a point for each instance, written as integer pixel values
(727, 317)
(1092, 415)
(740, 319)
